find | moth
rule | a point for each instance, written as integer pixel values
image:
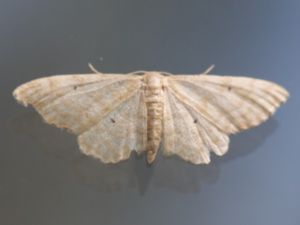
(116, 114)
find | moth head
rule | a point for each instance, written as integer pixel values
(153, 80)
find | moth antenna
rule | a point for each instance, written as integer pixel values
(93, 68)
(210, 68)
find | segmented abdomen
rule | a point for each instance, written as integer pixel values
(154, 126)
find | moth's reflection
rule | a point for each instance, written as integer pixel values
(167, 173)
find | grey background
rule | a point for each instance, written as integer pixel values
(45, 180)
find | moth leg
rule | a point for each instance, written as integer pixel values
(93, 69)
(209, 69)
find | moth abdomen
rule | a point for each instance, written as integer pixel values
(154, 105)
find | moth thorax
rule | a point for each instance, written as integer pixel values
(153, 81)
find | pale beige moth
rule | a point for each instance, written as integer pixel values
(116, 114)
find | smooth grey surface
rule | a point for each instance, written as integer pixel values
(45, 180)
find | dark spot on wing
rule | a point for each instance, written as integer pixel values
(75, 87)
(195, 121)
(112, 120)
(229, 88)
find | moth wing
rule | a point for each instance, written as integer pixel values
(180, 135)
(80, 103)
(203, 110)
(230, 103)
(119, 133)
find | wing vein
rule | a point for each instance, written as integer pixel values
(78, 93)
(241, 95)
(202, 111)
(266, 91)
(124, 98)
